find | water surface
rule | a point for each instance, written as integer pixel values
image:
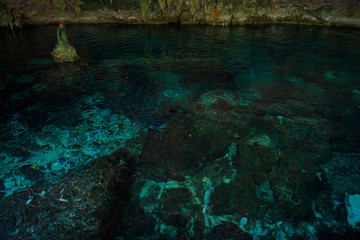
(252, 129)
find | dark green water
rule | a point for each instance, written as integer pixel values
(247, 129)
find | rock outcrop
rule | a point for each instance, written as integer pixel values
(223, 12)
(63, 51)
(10, 17)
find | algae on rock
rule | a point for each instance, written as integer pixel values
(10, 17)
(63, 51)
(144, 5)
(224, 12)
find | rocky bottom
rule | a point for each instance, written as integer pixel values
(230, 138)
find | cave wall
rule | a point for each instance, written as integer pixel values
(225, 12)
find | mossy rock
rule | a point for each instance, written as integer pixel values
(323, 11)
(114, 4)
(63, 51)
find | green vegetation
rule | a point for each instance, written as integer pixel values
(144, 4)
(10, 17)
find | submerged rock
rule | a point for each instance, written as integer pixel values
(352, 203)
(265, 193)
(95, 199)
(262, 140)
(342, 172)
(63, 51)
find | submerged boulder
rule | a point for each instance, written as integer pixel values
(63, 51)
(352, 203)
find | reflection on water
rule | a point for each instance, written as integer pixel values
(248, 132)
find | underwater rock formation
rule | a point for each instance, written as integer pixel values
(223, 12)
(63, 51)
(81, 206)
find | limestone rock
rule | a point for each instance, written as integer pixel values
(219, 12)
(352, 203)
(63, 51)
(262, 140)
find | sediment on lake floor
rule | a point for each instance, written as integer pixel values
(15, 13)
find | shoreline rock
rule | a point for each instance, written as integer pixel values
(331, 12)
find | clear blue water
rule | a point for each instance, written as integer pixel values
(257, 126)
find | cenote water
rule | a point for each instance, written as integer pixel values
(234, 133)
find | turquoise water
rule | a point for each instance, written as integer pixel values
(246, 132)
